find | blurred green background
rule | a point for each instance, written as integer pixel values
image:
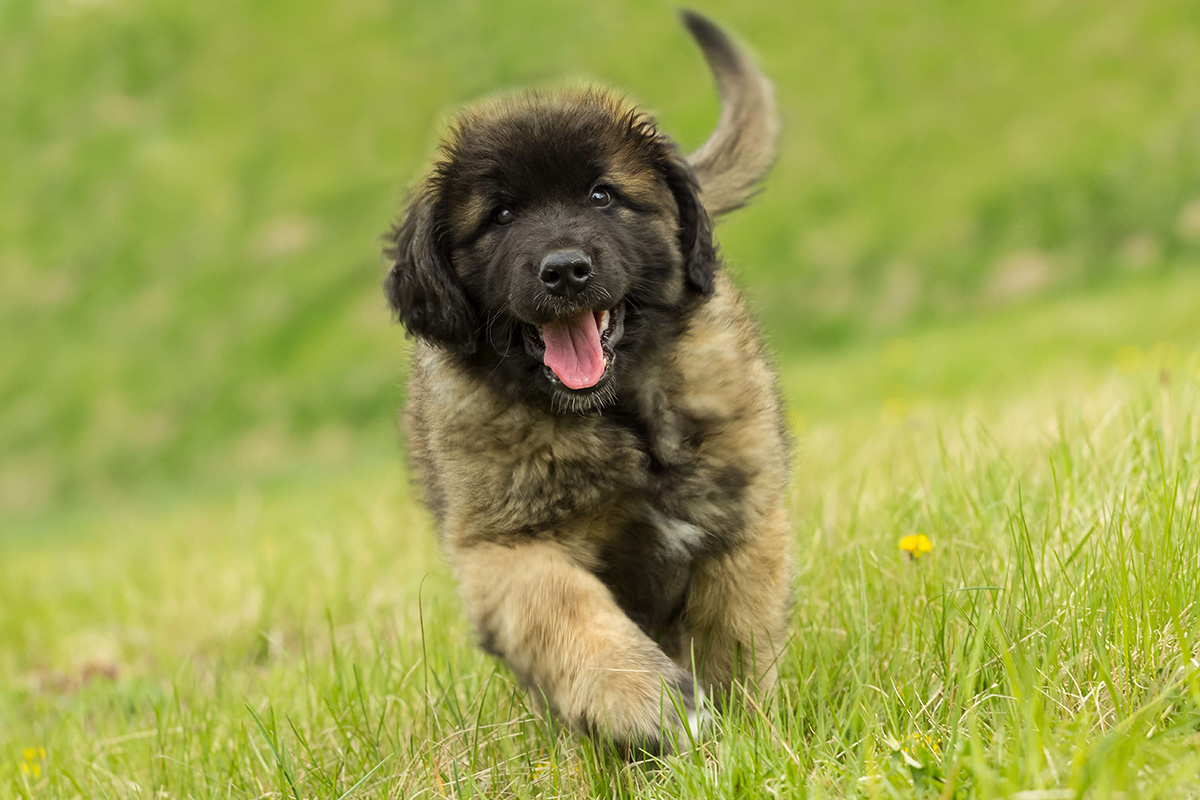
(192, 197)
(976, 262)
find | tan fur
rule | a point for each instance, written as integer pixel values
(524, 552)
(612, 555)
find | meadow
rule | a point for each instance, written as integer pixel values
(977, 262)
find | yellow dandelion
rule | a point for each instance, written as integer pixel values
(916, 545)
(926, 741)
(31, 765)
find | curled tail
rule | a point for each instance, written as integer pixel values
(740, 151)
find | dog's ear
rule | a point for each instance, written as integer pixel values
(421, 286)
(700, 258)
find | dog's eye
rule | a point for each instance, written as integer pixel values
(600, 197)
(503, 216)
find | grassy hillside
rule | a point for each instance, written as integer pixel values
(191, 195)
(976, 261)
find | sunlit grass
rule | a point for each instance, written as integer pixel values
(975, 261)
(305, 640)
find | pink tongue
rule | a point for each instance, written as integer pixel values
(573, 350)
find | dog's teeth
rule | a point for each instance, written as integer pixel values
(603, 321)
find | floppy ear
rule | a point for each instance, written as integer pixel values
(421, 285)
(700, 258)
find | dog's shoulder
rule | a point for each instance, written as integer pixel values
(721, 369)
(723, 395)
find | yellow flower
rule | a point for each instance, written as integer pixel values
(916, 545)
(928, 742)
(32, 764)
(918, 742)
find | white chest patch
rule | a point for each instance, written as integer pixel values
(683, 538)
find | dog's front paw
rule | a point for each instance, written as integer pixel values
(648, 712)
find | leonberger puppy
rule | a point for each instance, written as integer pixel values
(590, 412)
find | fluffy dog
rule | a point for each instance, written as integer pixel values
(590, 412)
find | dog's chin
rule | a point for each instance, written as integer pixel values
(610, 324)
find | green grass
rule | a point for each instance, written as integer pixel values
(193, 196)
(976, 262)
(308, 634)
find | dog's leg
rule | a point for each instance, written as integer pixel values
(738, 607)
(562, 632)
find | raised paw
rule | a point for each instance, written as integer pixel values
(648, 712)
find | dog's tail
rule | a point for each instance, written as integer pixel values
(739, 152)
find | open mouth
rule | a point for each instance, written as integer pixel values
(577, 350)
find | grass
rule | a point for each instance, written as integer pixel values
(305, 640)
(190, 236)
(976, 262)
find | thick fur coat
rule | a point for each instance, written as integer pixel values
(591, 415)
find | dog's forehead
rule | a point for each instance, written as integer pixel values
(536, 146)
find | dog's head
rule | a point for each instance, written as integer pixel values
(558, 240)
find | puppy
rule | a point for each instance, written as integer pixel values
(590, 412)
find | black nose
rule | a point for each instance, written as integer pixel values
(566, 272)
